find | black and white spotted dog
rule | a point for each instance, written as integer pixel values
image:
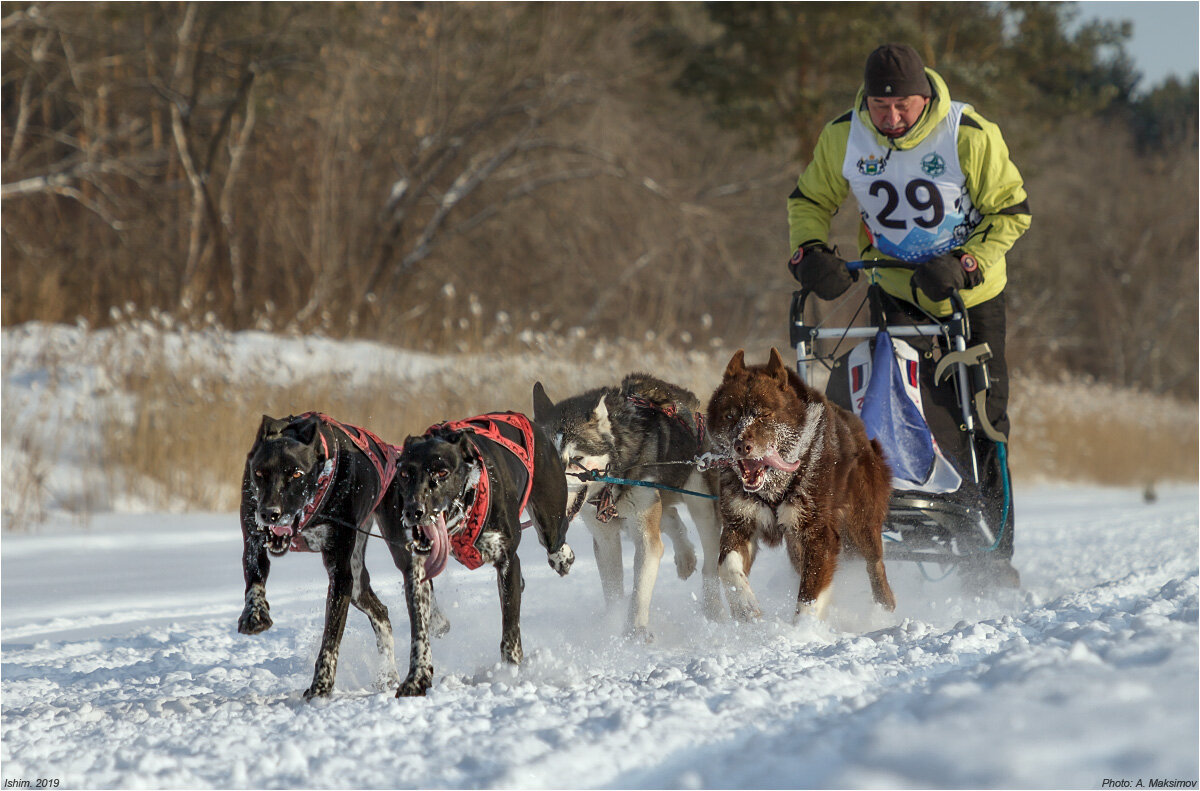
(312, 484)
(464, 486)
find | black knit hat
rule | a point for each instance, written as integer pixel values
(896, 70)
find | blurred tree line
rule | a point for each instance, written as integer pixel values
(458, 176)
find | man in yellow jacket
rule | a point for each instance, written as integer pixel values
(936, 189)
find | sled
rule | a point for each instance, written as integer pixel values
(935, 514)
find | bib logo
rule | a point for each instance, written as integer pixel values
(933, 165)
(871, 165)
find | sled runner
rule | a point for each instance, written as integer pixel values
(935, 514)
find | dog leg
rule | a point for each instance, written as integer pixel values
(256, 564)
(647, 555)
(606, 540)
(815, 609)
(377, 613)
(743, 604)
(681, 545)
(708, 526)
(881, 591)
(366, 602)
(738, 548)
(337, 604)
(815, 558)
(419, 593)
(510, 584)
(866, 537)
(439, 624)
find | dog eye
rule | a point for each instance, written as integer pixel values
(439, 474)
(405, 474)
(258, 473)
(297, 474)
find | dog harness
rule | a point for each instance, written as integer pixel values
(605, 500)
(383, 460)
(671, 411)
(491, 426)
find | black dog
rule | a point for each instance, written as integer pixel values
(311, 484)
(464, 486)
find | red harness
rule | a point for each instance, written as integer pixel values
(385, 468)
(462, 540)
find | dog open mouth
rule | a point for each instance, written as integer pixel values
(279, 537)
(432, 540)
(753, 472)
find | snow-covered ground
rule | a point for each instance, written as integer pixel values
(122, 668)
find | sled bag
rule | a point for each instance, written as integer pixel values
(885, 392)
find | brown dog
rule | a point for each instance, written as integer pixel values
(804, 472)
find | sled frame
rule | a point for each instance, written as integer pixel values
(920, 527)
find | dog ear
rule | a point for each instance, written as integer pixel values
(542, 405)
(737, 365)
(776, 367)
(600, 413)
(307, 430)
(271, 427)
(440, 432)
(465, 446)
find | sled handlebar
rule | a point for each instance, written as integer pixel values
(871, 263)
(801, 296)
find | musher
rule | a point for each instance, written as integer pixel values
(935, 187)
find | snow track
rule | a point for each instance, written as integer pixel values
(122, 668)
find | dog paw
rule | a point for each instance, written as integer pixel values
(685, 562)
(414, 687)
(640, 635)
(511, 651)
(254, 620)
(316, 692)
(388, 680)
(439, 624)
(745, 610)
(562, 559)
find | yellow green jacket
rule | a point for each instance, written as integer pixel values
(993, 181)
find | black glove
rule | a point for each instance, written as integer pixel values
(949, 272)
(820, 271)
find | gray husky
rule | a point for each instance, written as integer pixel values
(648, 430)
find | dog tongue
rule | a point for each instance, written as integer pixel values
(435, 561)
(773, 459)
(281, 530)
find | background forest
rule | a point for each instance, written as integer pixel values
(445, 176)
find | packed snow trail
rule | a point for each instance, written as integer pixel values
(122, 668)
